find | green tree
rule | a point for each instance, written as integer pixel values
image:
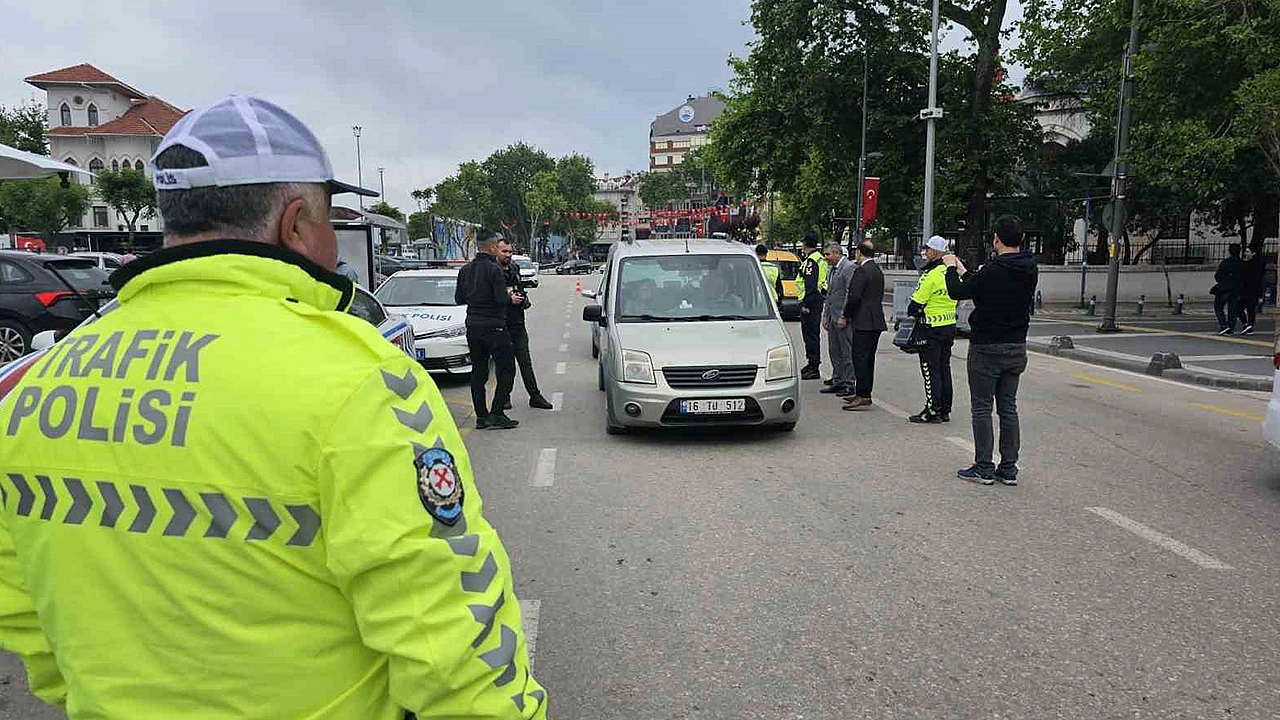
(419, 225)
(464, 195)
(382, 207)
(1202, 79)
(44, 206)
(130, 193)
(575, 178)
(422, 197)
(544, 202)
(510, 172)
(23, 127)
(662, 189)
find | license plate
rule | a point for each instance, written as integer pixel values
(420, 353)
(713, 407)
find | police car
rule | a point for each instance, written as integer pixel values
(425, 299)
(395, 328)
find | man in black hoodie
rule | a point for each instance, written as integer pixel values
(1002, 292)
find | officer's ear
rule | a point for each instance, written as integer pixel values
(305, 229)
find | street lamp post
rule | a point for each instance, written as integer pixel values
(862, 158)
(355, 130)
(1120, 176)
(930, 115)
(382, 185)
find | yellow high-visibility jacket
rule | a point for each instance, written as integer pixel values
(229, 499)
(931, 292)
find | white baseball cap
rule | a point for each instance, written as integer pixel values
(248, 141)
(937, 242)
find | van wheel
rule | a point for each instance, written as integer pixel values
(600, 377)
(595, 350)
(15, 341)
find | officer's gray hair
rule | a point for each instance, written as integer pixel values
(833, 247)
(241, 211)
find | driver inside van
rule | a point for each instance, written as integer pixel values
(720, 294)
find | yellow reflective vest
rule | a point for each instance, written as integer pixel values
(939, 308)
(771, 274)
(824, 270)
(228, 499)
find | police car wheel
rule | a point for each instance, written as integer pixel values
(15, 341)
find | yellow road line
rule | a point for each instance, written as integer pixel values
(1104, 381)
(1228, 412)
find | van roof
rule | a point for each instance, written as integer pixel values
(696, 246)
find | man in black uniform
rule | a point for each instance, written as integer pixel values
(811, 304)
(519, 333)
(482, 287)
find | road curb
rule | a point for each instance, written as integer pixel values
(1232, 381)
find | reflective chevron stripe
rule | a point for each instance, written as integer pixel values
(222, 512)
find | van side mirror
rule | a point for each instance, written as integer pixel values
(594, 314)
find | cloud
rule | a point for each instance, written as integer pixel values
(431, 84)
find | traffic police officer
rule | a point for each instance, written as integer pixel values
(933, 307)
(811, 286)
(771, 271)
(259, 508)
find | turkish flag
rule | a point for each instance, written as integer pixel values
(870, 199)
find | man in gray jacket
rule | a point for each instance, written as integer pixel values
(839, 339)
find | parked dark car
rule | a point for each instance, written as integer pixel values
(34, 296)
(576, 267)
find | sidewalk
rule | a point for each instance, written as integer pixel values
(1180, 347)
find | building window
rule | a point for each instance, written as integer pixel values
(137, 165)
(66, 115)
(99, 217)
(115, 166)
(93, 115)
(95, 167)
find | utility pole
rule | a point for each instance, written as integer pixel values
(355, 130)
(862, 158)
(382, 185)
(931, 115)
(1120, 174)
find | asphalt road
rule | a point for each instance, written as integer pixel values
(842, 571)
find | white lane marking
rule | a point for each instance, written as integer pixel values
(567, 336)
(1164, 541)
(564, 347)
(561, 368)
(900, 414)
(544, 471)
(529, 622)
(557, 401)
(1103, 368)
(961, 443)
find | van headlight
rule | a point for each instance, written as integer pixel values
(781, 365)
(637, 367)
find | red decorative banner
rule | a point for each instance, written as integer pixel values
(870, 199)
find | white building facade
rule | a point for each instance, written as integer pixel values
(681, 130)
(101, 123)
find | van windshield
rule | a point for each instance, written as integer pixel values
(689, 288)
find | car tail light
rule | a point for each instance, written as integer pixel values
(48, 298)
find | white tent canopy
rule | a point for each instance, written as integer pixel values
(18, 164)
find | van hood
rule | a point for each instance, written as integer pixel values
(429, 318)
(738, 342)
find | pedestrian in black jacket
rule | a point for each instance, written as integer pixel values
(1228, 286)
(482, 287)
(1252, 285)
(1002, 292)
(864, 312)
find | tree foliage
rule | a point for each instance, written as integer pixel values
(662, 189)
(1206, 111)
(419, 225)
(43, 206)
(382, 207)
(793, 121)
(23, 127)
(130, 193)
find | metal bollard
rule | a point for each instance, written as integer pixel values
(1142, 303)
(1039, 300)
(1182, 303)
(1093, 306)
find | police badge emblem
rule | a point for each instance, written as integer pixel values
(439, 486)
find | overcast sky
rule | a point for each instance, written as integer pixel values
(433, 85)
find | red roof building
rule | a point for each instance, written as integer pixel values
(100, 122)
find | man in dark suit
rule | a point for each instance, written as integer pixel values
(863, 311)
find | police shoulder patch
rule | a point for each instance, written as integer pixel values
(439, 485)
